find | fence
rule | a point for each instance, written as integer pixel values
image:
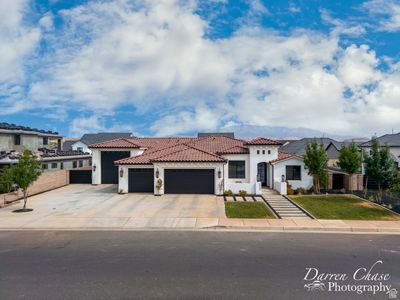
(387, 198)
(46, 182)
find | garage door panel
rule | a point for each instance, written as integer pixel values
(189, 181)
(80, 176)
(109, 171)
(141, 181)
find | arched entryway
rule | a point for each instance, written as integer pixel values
(262, 173)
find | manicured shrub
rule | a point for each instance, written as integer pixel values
(242, 193)
(290, 190)
(303, 191)
(228, 193)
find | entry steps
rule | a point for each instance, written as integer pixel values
(284, 208)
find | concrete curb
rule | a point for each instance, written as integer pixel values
(276, 229)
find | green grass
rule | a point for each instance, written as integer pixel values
(341, 207)
(250, 210)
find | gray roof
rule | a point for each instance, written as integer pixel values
(299, 146)
(93, 138)
(391, 140)
(67, 145)
(8, 126)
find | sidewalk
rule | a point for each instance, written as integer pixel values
(276, 225)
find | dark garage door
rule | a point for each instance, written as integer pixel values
(189, 181)
(109, 171)
(141, 181)
(80, 176)
(337, 181)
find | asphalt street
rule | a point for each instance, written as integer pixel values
(192, 265)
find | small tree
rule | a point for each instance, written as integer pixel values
(350, 160)
(380, 165)
(316, 161)
(6, 179)
(25, 172)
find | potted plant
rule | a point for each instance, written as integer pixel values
(159, 184)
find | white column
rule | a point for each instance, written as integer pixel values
(96, 169)
(161, 177)
(123, 182)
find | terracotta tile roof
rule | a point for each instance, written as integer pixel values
(178, 153)
(200, 149)
(263, 141)
(234, 150)
(285, 155)
(216, 144)
(147, 156)
(189, 155)
(117, 143)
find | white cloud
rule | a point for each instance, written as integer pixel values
(17, 41)
(203, 119)
(388, 11)
(294, 8)
(154, 56)
(341, 27)
(46, 22)
(94, 124)
(357, 66)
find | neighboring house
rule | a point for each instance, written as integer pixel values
(87, 139)
(45, 144)
(15, 138)
(299, 147)
(392, 141)
(65, 160)
(338, 179)
(201, 165)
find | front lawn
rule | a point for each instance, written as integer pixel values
(247, 210)
(342, 207)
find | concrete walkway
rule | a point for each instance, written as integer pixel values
(137, 223)
(282, 206)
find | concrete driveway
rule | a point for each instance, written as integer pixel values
(76, 206)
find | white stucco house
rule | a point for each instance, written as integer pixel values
(198, 165)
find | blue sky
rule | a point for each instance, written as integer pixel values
(178, 67)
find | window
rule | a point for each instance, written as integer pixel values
(45, 140)
(62, 166)
(258, 151)
(237, 169)
(80, 163)
(263, 152)
(90, 162)
(17, 139)
(54, 165)
(45, 166)
(293, 172)
(80, 149)
(269, 151)
(74, 164)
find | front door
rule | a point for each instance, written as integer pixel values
(262, 173)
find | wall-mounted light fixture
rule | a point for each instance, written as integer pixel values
(94, 168)
(121, 173)
(283, 178)
(219, 173)
(157, 173)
